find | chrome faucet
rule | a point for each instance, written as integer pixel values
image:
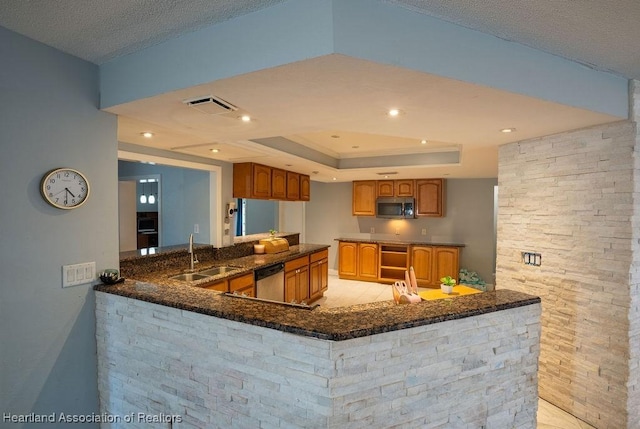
(194, 257)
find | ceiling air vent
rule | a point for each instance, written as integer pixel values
(210, 105)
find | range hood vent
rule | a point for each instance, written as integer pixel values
(210, 105)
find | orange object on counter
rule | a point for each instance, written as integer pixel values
(459, 290)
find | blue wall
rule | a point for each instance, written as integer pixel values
(49, 118)
(260, 216)
(184, 200)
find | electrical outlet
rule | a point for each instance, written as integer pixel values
(196, 228)
(372, 230)
(424, 231)
(397, 231)
(530, 258)
(77, 274)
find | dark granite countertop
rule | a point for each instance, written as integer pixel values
(386, 240)
(150, 282)
(242, 265)
(336, 324)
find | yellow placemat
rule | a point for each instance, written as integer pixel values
(458, 290)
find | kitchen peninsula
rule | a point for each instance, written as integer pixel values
(217, 360)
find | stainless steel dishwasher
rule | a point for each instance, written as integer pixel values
(270, 282)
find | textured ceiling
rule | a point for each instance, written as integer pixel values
(100, 30)
(601, 34)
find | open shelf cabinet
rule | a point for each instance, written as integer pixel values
(394, 261)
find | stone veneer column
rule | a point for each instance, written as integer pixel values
(573, 198)
(633, 384)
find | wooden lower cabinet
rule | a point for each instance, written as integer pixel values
(422, 263)
(431, 263)
(358, 261)
(221, 286)
(318, 274)
(363, 261)
(367, 261)
(296, 280)
(243, 285)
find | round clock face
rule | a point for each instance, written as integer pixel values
(65, 188)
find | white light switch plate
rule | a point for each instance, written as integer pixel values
(77, 274)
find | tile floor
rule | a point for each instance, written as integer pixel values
(348, 292)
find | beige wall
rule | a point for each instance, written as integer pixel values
(468, 220)
(571, 197)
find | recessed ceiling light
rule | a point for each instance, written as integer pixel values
(423, 142)
(507, 130)
(215, 150)
(334, 178)
(147, 134)
(394, 112)
(245, 118)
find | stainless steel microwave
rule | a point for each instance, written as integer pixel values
(395, 208)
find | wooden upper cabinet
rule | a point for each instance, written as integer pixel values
(259, 181)
(293, 186)
(278, 184)
(403, 188)
(251, 181)
(395, 188)
(364, 198)
(429, 197)
(305, 187)
(386, 188)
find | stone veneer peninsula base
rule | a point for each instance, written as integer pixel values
(477, 370)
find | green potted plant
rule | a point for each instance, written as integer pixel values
(447, 283)
(273, 233)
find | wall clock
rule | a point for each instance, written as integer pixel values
(65, 188)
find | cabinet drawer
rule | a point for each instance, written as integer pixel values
(323, 254)
(221, 286)
(241, 282)
(296, 263)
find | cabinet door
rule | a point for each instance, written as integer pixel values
(429, 197)
(278, 183)
(385, 188)
(403, 188)
(293, 186)
(302, 284)
(242, 282)
(305, 187)
(221, 286)
(347, 259)
(364, 198)
(315, 279)
(368, 261)
(324, 275)
(261, 181)
(446, 263)
(290, 286)
(422, 263)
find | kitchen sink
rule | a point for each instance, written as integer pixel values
(218, 270)
(190, 277)
(204, 274)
